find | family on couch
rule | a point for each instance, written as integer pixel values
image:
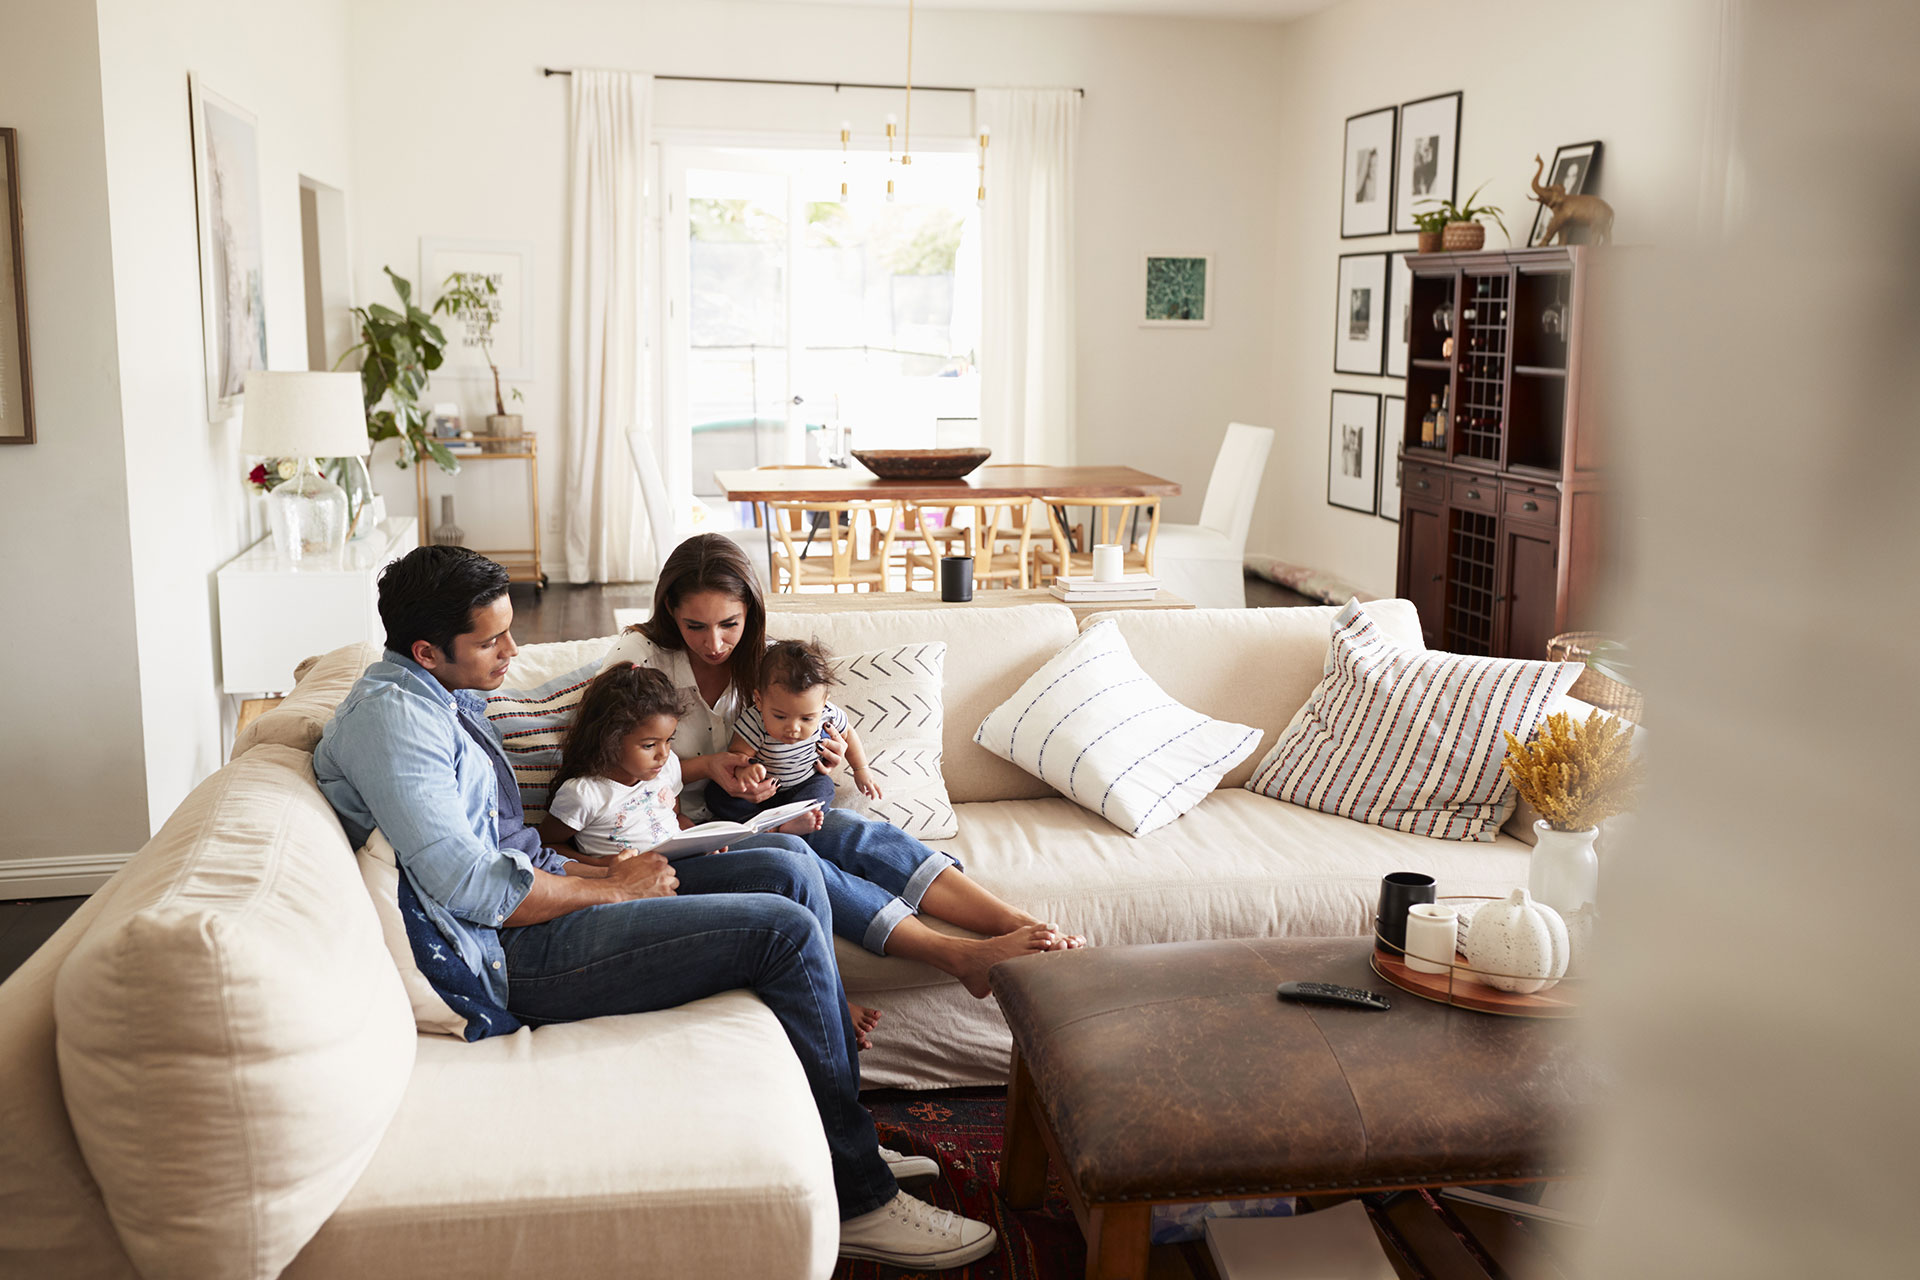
(542, 935)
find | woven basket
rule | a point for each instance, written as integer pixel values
(1463, 236)
(1428, 242)
(1602, 691)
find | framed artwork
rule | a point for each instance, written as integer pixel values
(16, 364)
(1429, 163)
(1575, 167)
(1393, 419)
(1399, 314)
(1360, 319)
(1366, 192)
(510, 263)
(233, 306)
(1179, 291)
(1353, 450)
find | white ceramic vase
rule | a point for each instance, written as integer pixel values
(1564, 871)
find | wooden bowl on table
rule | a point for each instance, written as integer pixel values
(921, 464)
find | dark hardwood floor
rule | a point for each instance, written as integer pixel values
(25, 925)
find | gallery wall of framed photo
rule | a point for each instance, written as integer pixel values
(1394, 160)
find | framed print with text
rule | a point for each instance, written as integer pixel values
(1360, 315)
(1353, 450)
(1366, 185)
(1393, 418)
(510, 265)
(1429, 163)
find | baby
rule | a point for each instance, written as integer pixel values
(783, 729)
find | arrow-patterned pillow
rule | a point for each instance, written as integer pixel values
(892, 698)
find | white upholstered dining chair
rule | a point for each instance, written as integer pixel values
(1204, 562)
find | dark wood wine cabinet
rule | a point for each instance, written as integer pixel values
(1500, 528)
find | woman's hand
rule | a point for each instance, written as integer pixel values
(833, 750)
(729, 769)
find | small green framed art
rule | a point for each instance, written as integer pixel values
(1179, 291)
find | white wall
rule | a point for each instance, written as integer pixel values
(72, 785)
(1536, 74)
(285, 61)
(456, 134)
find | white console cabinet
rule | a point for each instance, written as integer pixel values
(276, 612)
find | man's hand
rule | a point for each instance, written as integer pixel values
(646, 875)
(833, 750)
(728, 770)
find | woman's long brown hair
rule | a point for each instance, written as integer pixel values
(711, 562)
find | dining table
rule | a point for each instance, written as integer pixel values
(761, 485)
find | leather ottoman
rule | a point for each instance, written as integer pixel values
(1171, 1073)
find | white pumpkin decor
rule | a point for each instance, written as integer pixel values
(1517, 945)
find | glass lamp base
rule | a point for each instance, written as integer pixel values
(309, 515)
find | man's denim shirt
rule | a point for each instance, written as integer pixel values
(396, 755)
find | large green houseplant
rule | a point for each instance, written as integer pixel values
(402, 349)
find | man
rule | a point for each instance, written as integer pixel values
(538, 937)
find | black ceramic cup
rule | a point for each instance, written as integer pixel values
(956, 580)
(1399, 891)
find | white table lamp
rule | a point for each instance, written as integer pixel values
(305, 416)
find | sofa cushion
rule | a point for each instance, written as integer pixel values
(1097, 728)
(989, 652)
(1408, 739)
(676, 1143)
(1256, 666)
(319, 685)
(232, 1037)
(892, 698)
(532, 719)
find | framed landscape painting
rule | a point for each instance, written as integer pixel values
(1366, 191)
(1360, 314)
(1353, 450)
(1393, 418)
(1179, 291)
(16, 363)
(1429, 163)
(233, 305)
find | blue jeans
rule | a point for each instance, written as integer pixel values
(733, 809)
(754, 917)
(875, 874)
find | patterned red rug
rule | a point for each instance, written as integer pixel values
(962, 1130)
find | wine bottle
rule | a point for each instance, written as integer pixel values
(1427, 422)
(1440, 423)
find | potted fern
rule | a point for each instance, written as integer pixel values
(1461, 228)
(473, 298)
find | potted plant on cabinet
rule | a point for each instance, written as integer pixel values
(1431, 224)
(402, 348)
(473, 298)
(1462, 230)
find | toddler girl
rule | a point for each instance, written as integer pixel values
(614, 792)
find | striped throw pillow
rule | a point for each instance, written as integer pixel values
(1096, 728)
(531, 723)
(1409, 739)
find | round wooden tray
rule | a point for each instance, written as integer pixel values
(1461, 985)
(921, 464)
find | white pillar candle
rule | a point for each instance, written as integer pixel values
(1108, 566)
(1432, 937)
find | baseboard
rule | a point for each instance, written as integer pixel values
(65, 876)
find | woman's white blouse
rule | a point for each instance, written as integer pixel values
(704, 730)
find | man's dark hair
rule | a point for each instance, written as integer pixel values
(796, 666)
(619, 700)
(431, 592)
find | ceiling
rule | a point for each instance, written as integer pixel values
(1246, 10)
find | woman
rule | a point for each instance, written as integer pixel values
(708, 629)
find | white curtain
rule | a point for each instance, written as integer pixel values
(1027, 351)
(607, 531)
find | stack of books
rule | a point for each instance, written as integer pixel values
(1086, 590)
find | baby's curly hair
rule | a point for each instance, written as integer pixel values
(796, 665)
(620, 698)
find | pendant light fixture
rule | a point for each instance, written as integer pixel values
(895, 131)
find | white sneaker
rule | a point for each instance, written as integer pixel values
(908, 1168)
(912, 1233)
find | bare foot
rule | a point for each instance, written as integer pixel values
(864, 1021)
(979, 955)
(1060, 941)
(806, 824)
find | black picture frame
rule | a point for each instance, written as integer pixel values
(16, 363)
(1345, 316)
(1446, 166)
(1383, 176)
(1399, 263)
(1392, 427)
(1344, 450)
(1588, 185)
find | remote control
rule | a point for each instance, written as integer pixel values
(1328, 993)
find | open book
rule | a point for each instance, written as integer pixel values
(709, 836)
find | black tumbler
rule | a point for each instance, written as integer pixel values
(1399, 891)
(956, 582)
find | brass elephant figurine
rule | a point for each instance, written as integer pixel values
(1570, 211)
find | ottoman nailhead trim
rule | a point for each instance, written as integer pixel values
(1409, 1180)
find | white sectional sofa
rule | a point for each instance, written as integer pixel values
(211, 1070)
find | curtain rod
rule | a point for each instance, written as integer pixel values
(835, 85)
